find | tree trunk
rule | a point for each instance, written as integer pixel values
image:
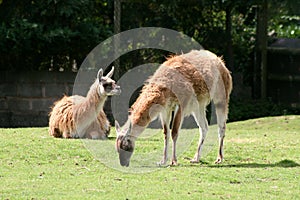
(229, 48)
(260, 67)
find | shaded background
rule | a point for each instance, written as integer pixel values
(43, 43)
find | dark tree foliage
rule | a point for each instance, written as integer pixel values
(226, 27)
(35, 33)
(32, 33)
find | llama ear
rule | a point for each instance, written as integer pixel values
(109, 75)
(100, 74)
(118, 128)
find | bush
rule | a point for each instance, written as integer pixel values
(243, 110)
(36, 34)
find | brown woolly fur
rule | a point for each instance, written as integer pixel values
(83, 117)
(180, 77)
(184, 84)
(152, 94)
(62, 118)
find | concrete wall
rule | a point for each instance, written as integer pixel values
(26, 97)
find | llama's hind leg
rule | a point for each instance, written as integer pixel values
(200, 118)
(221, 111)
(177, 121)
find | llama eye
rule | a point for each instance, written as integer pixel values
(107, 86)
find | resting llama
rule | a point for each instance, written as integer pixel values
(83, 117)
(185, 84)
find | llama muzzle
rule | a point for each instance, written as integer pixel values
(124, 157)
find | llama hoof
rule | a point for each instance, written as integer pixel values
(161, 163)
(194, 161)
(174, 163)
(67, 136)
(218, 161)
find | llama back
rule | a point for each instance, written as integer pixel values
(211, 66)
(61, 117)
(194, 72)
(216, 76)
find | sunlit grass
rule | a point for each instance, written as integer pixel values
(261, 162)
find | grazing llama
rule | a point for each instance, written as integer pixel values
(83, 117)
(185, 84)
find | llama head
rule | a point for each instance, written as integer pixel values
(107, 85)
(124, 143)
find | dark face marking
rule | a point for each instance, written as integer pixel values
(125, 149)
(110, 86)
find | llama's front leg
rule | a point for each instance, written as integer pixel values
(165, 120)
(175, 130)
(166, 130)
(67, 135)
(203, 128)
(95, 135)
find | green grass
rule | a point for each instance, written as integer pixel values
(261, 162)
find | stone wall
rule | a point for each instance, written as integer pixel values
(26, 97)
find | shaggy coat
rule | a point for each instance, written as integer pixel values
(185, 84)
(61, 121)
(83, 117)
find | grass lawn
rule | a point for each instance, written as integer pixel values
(262, 161)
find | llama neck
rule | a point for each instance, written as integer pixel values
(136, 130)
(94, 100)
(147, 106)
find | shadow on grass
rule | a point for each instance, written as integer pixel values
(284, 163)
(112, 138)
